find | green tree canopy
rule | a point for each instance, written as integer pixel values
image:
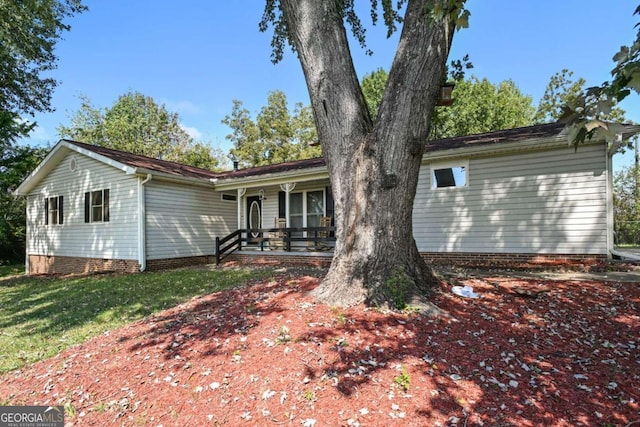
(276, 135)
(137, 124)
(29, 32)
(373, 85)
(15, 165)
(588, 117)
(563, 91)
(626, 73)
(626, 205)
(479, 106)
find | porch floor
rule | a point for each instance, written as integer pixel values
(276, 252)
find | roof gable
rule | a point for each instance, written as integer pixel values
(144, 164)
(127, 162)
(53, 159)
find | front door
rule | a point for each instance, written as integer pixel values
(254, 215)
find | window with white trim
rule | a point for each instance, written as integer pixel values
(53, 210)
(96, 206)
(228, 197)
(449, 175)
(306, 208)
(296, 213)
(315, 208)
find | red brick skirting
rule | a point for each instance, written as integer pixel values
(486, 260)
(169, 263)
(43, 264)
(280, 259)
(500, 260)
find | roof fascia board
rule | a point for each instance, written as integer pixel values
(302, 175)
(533, 144)
(25, 187)
(99, 157)
(160, 176)
(55, 155)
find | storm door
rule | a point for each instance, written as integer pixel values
(254, 215)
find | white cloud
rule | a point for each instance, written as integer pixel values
(39, 136)
(192, 132)
(182, 107)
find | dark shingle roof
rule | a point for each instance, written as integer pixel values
(179, 170)
(279, 167)
(149, 163)
(510, 135)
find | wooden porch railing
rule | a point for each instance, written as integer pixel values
(229, 248)
(281, 237)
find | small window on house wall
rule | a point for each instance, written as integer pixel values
(451, 175)
(96, 206)
(54, 210)
(229, 197)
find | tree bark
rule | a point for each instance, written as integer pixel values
(373, 169)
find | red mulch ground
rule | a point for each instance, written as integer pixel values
(267, 354)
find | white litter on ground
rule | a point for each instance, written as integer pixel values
(464, 291)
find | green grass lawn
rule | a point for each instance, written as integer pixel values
(40, 317)
(11, 270)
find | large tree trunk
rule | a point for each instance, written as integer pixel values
(373, 168)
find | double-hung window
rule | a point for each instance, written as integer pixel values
(53, 210)
(296, 213)
(96, 206)
(315, 208)
(306, 208)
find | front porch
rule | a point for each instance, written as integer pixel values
(278, 242)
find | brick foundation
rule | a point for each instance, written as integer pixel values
(461, 259)
(43, 264)
(169, 263)
(281, 258)
(515, 261)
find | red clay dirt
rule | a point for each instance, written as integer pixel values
(526, 353)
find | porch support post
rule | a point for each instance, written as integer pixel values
(286, 208)
(241, 192)
(287, 188)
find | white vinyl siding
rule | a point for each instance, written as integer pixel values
(184, 220)
(537, 202)
(269, 205)
(115, 239)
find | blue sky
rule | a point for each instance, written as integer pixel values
(197, 56)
